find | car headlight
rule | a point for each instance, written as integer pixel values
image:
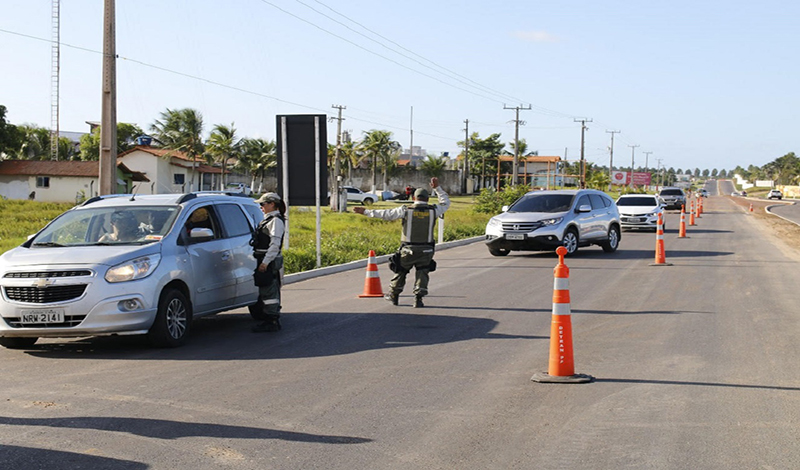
(652, 214)
(493, 223)
(138, 268)
(554, 221)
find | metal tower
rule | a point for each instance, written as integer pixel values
(55, 67)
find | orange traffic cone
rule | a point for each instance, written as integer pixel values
(372, 283)
(751, 207)
(682, 230)
(691, 214)
(697, 209)
(562, 364)
(701, 205)
(661, 256)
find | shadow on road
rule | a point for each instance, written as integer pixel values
(166, 429)
(24, 457)
(650, 254)
(643, 312)
(701, 384)
(228, 337)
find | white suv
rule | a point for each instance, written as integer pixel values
(127, 265)
(774, 193)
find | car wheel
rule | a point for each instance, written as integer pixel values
(17, 343)
(173, 320)
(499, 252)
(368, 201)
(612, 243)
(570, 241)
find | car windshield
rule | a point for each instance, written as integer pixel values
(671, 192)
(543, 203)
(108, 225)
(637, 201)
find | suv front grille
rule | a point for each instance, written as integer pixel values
(45, 295)
(521, 226)
(46, 274)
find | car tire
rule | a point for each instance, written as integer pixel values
(612, 242)
(173, 320)
(17, 343)
(499, 252)
(368, 201)
(570, 241)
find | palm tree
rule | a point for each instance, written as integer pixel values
(434, 166)
(180, 130)
(378, 146)
(35, 143)
(257, 156)
(222, 144)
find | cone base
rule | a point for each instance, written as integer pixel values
(544, 377)
(660, 264)
(371, 295)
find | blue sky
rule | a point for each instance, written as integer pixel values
(706, 84)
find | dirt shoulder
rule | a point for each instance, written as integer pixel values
(786, 232)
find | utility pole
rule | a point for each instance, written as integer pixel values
(583, 122)
(466, 156)
(108, 120)
(646, 156)
(411, 143)
(335, 196)
(517, 122)
(611, 157)
(633, 149)
(658, 165)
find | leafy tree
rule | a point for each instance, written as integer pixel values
(222, 145)
(434, 166)
(10, 136)
(379, 148)
(705, 173)
(783, 170)
(126, 139)
(483, 153)
(523, 149)
(180, 130)
(35, 143)
(257, 156)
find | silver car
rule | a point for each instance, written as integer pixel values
(545, 220)
(129, 265)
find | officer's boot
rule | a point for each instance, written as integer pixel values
(418, 302)
(392, 297)
(270, 325)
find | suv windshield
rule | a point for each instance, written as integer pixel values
(543, 203)
(671, 192)
(637, 201)
(108, 225)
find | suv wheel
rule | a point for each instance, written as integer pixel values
(499, 251)
(17, 343)
(570, 241)
(173, 319)
(612, 243)
(368, 201)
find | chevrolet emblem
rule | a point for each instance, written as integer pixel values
(43, 282)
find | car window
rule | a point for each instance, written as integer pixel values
(202, 217)
(597, 201)
(543, 203)
(353, 190)
(255, 214)
(637, 201)
(233, 220)
(671, 192)
(583, 201)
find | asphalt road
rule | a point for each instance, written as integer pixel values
(695, 367)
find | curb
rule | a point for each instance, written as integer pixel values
(767, 210)
(362, 263)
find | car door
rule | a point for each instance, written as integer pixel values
(238, 230)
(603, 215)
(211, 261)
(584, 219)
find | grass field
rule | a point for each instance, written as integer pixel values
(344, 236)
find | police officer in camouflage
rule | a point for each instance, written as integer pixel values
(417, 240)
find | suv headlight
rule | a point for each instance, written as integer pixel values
(138, 268)
(554, 221)
(493, 223)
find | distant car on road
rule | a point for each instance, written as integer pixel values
(359, 196)
(674, 198)
(545, 220)
(238, 188)
(702, 192)
(775, 194)
(640, 211)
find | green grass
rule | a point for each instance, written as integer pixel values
(344, 236)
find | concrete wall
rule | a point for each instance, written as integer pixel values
(61, 189)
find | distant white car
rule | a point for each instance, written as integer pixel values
(640, 211)
(238, 188)
(775, 194)
(359, 196)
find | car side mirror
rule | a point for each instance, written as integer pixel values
(504, 209)
(200, 232)
(585, 208)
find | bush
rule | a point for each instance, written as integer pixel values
(492, 202)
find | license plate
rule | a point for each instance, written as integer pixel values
(49, 315)
(515, 236)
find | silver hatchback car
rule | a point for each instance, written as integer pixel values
(127, 265)
(545, 220)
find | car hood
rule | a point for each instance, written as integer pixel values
(74, 255)
(631, 210)
(528, 216)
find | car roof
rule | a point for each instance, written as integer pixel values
(637, 195)
(170, 199)
(565, 191)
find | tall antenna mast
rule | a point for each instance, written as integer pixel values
(55, 67)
